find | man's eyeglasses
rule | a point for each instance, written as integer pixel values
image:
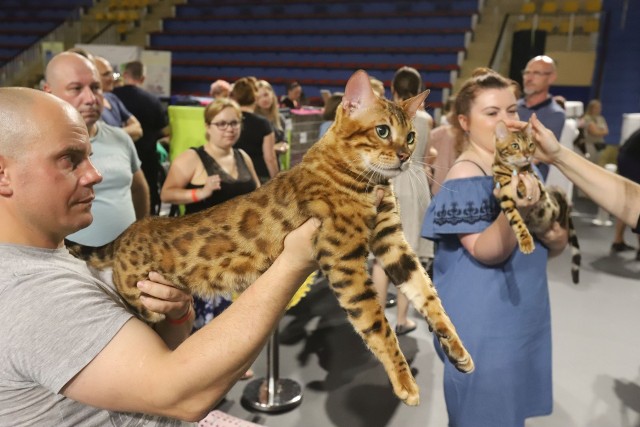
(535, 73)
(224, 125)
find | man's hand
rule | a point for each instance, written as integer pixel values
(161, 296)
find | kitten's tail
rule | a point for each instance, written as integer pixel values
(576, 257)
(99, 257)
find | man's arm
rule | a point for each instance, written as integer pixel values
(187, 382)
(133, 128)
(618, 195)
(140, 194)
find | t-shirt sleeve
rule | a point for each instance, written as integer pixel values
(462, 206)
(60, 322)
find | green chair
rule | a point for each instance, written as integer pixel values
(187, 128)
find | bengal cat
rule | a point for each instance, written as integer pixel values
(514, 152)
(225, 248)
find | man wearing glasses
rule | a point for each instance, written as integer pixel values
(537, 77)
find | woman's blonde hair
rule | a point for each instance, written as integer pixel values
(272, 113)
(216, 106)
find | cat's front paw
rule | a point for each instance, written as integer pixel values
(526, 244)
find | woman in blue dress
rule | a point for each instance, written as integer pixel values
(496, 296)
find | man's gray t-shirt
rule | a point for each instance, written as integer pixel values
(55, 318)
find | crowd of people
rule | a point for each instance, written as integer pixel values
(78, 161)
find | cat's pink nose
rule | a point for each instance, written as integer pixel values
(403, 156)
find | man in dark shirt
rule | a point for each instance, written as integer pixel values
(148, 109)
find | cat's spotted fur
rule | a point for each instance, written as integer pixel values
(514, 152)
(225, 248)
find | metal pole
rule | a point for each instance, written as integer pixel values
(272, 394)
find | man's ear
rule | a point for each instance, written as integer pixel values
(5, 182)
(46, 87)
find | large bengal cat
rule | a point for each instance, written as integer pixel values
(339, 181)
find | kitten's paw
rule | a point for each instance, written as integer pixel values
(526, 245)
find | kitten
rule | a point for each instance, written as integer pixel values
(225, 248)
(514, 152)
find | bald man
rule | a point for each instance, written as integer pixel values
(123, 195)
(537, 77)
(71, 354)
(114, 112)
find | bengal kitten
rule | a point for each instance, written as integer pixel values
(225, 248)
(514, 152)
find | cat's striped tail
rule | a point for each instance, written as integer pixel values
(576, 257)
(99, 257)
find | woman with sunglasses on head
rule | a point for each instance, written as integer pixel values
(209, 175)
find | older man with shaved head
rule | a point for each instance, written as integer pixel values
(123, 196)
(71, 352)
(537, 77)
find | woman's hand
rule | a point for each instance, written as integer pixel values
(161, 296)
(281, 147)
(212, 184)
(555, 239)
(530, 196)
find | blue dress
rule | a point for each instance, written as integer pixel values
(501, 313)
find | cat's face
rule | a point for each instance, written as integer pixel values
(514, 148)
(378, 135)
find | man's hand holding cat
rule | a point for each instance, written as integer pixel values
(298, 248)
(161, 296)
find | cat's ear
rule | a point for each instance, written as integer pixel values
(528, 130)
(358, 95)
(412, 105)
(501, 131)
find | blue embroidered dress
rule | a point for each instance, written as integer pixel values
(501, 312)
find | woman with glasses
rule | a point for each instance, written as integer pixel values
(209, 175)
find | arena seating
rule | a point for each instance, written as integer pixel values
(24, 22)
(317, 43)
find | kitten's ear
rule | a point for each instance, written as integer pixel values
(358, 95)
(528, 130)
(501, 131)
(412, 105)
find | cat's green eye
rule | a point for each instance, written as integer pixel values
(411, 138)
(515, 146)
(383, 131)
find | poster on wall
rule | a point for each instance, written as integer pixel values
(158, 68)
(157, 64)
(116, 55)
(49, 50)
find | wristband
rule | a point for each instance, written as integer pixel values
(194, 196)
(182, 319)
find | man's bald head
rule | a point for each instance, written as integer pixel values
(105, 70)
(26, 115)
(75, 79)
(57, 71)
